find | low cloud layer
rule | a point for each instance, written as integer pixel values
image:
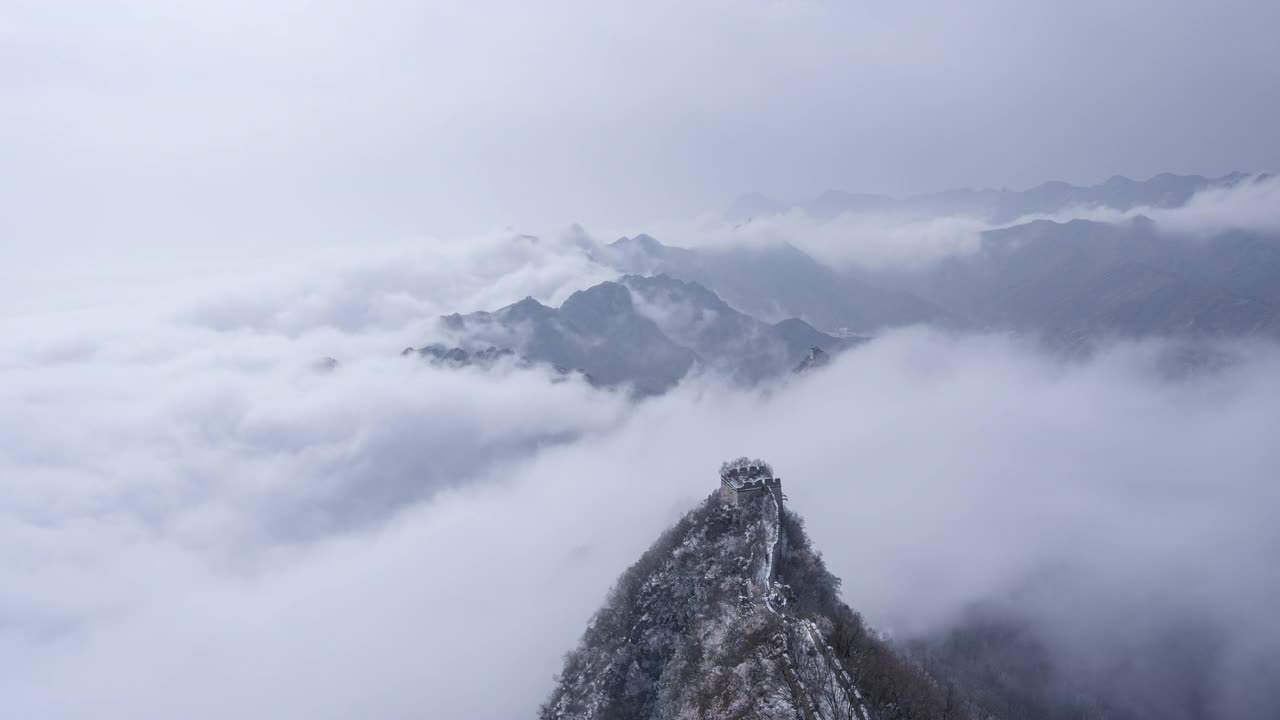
(197, 523)
(917, 240)
(1251, 205)
(870, 240)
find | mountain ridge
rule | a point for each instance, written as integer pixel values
(733, 614)
(647, 332)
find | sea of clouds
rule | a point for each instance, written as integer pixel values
(198, 521)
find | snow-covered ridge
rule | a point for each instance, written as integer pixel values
(732, 614)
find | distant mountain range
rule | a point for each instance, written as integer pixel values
(643, 332)
(1079, 281)
(997, 206)
(1066, 282)
(750, 313)
(1071, 282)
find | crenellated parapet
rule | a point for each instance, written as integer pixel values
(746, 479)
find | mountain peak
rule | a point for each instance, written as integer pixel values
(687, 290)
(525, 309)
(732, 614)
(608, 297)
(642, 242)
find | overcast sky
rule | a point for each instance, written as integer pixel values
(188, 126)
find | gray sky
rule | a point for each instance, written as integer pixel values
(189, 126)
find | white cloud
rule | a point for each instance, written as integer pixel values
(193, 522)
(187, 531)
(870, 240)
(1251, 205)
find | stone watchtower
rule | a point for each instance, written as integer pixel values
(744, 479)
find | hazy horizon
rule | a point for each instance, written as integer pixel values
(310, 121)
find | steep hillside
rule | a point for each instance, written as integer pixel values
(732, 614)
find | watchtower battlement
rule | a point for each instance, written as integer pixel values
(746, 479)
